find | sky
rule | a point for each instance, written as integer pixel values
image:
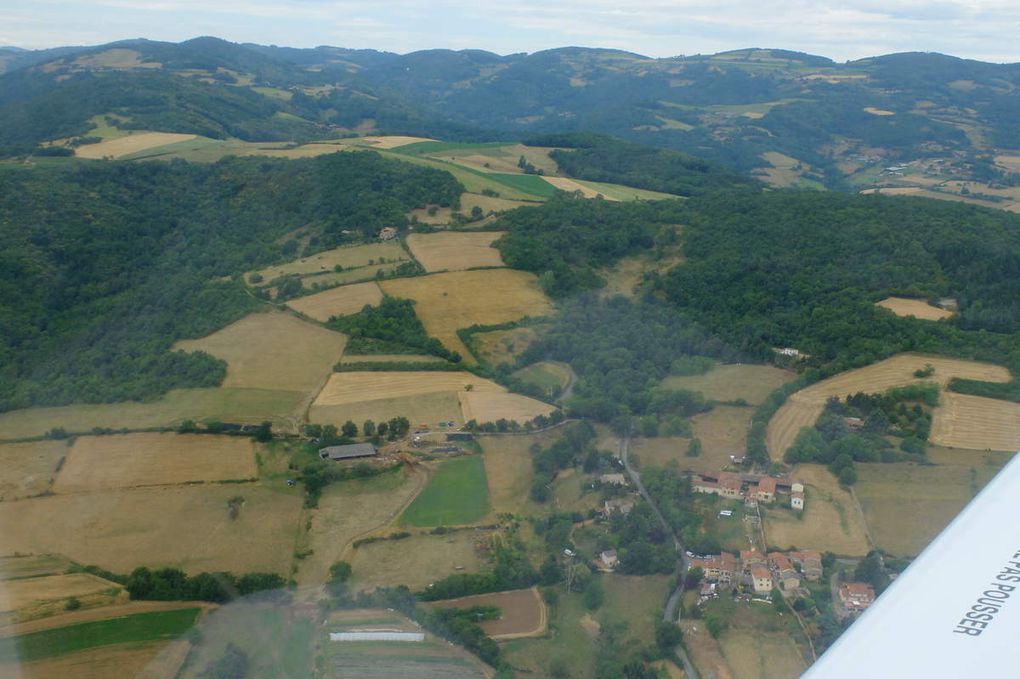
(840, 29)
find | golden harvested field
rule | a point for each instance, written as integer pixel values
(342, 301)
(975, 423)
(34, 592)
(118, 660)
(918, 308)
(455, 250)
(508, 468)
(503, 346)
(488, 204)
(907, 505)
(132, 143)
(1008, 162)
(501, 158)
(183, 526)
(31, 566)
(388, 142)
(564, 184)
(132, 460)
(347, 257)
(662, 450)
(624, 277)
(446, 302)
(350, 510)
(27, 468)
(225, 405)
(490, 406)
(831, 521)
(803, 407)
(723, 432)
(273, 351)
(429, 409)
(523, 613)
(335, 278)
(753, 383)
(416, 561)
(356, 387)
(762, 655)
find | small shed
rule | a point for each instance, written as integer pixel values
(348, 452)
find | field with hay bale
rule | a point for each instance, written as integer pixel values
(342, 301)
(803, 408)
(27, 469)
(729, 382)
(722, 432)
(416, 561)
(132, 460)
(189, 527)
(273, 351)
(447, 302)
(455, 250)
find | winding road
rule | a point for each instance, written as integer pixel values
(670, 614)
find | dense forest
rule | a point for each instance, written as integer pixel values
(103, 267)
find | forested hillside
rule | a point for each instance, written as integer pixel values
(103, 267)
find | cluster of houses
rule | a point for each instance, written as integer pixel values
(751, 488)
(759, 572)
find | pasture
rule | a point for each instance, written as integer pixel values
(729, 382)
(489, 406)
(27, 469)
(133, 460)
(705, 651)
(662, 450)
(572, 186)
(188, 527)
(455, 250)
(497, 347)
(456, 495)
(333, 278)
(918, 308)
(906, 505)
(132, 659)
(416, 561)
(830, 522)
(224, 405)
(129, 144)
(349, 510)
(273, 351)
(723, 432)
(446, 302)
(551, 377)
(803, 407)
(975, 423)
(47, 595)
(508, 468)
(349, 257)
(754, 654)
(342, 301)
(523, 613)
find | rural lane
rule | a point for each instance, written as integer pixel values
(670, 614)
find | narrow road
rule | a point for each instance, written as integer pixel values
(670, 614)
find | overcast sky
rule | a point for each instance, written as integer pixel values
(841, 29)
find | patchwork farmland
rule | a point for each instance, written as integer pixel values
(455, 250)
(342, 301)
(27, 469)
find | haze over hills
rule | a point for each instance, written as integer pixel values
(834, 124)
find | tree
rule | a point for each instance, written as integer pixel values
(594, 594)
(848, 476)
(694, 448)
(264, 432)
(368, 428)
(667, 636)
(694, 577)
(340, 572)
(382, 429)
(349, 429)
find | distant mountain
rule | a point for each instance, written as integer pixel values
(793, 117)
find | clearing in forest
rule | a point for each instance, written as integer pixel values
(27, 469)
(918, 308)
(456, 495)
(273, 351)
(418, 560)
(343, 301)
(523, 613)
(551, 377)
(803, 408)
(975, 423)
(189, 527)
(455, 250)
(497, 347)
(488, 406)
(132, 460)
(468, 201)
(830, 522)
(447, 302)
(752, 383)
(569, 185)
(132, 143)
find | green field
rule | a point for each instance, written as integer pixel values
(457, 494)
(549, 376)
(131, 628)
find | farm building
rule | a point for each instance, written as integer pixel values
(608, 559)
(810, 563)
(786, 575)
(856, 596)
(766, 490)
(388, 233)
(761, 580)
(377, 635)
(616, 505)
(719, 568)
(797, 500)
(348, 452)
(751, 558)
